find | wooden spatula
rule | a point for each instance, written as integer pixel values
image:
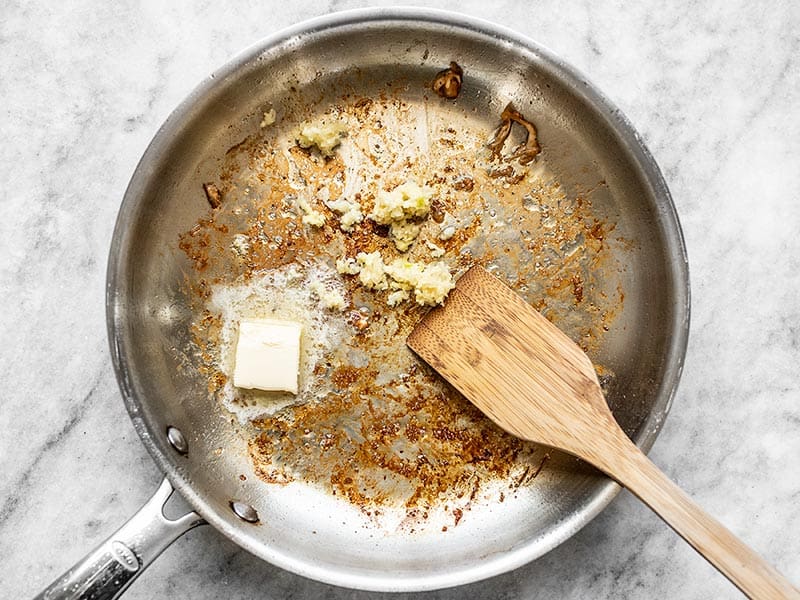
(534, 382)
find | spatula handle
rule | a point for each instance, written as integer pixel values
(739, 563)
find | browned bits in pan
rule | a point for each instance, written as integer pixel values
(577, 288)
(464, 182)
(402, 440)
(597, 231)
(363, 103)
(425, 444)
(196, 243)
(545, 458)
(499, 138)
(345, 376)
(506, 173)
(213, 195)
(525, 152)
(448, 82)
(529, 149)
(458, 514)
(437, 210)
(358, 320)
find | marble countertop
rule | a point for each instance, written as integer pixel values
(712, 87)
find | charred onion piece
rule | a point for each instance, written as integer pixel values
(525, 152)
(528, 150)
(448, 82)
(499, 137)
(213, 194)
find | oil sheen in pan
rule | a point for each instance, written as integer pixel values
(372, 424)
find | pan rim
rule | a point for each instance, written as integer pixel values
(674, 356)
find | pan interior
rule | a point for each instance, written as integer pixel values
(588, 147)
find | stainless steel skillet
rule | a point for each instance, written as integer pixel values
(197, 443)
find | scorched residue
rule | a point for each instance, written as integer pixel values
(372, 424)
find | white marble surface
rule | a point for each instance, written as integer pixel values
(714, 89)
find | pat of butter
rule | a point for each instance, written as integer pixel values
(267, 355)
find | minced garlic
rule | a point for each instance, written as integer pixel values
(269, 118)
(403, 234)
(447, 232)
(396, 209)
(240, 244)
(371, 272)
(430, 283)
(349, 213)
(325, 136)
(396, 297)
(332, 299)
(347, 266)
(436, 251)
(311, 216)
(315, 218)
(404, 202)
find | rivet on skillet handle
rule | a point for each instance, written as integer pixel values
(244, 511)
(177, 440)
(108, 571)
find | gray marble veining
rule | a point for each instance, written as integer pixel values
(712, 87)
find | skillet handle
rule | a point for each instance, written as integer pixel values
(108, 571)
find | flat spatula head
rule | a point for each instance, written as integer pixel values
(512, 363)
(534, 382)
